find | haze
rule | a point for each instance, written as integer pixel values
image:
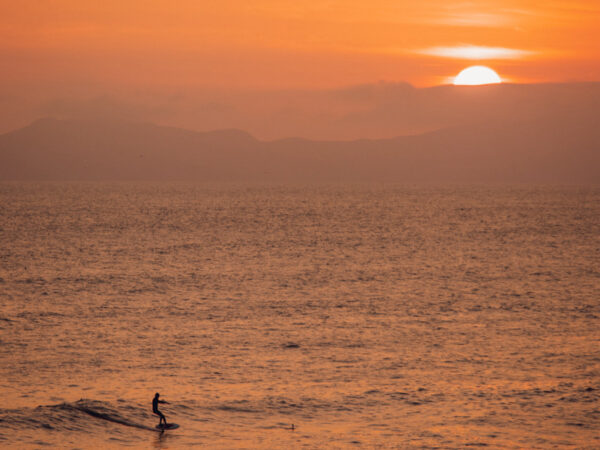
(201, 65)
(316, 70)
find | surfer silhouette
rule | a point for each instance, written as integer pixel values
(155, 402)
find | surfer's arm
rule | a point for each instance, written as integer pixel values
(162, 401)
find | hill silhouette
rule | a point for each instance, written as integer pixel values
(560, 148)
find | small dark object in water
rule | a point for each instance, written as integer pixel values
(292, 346)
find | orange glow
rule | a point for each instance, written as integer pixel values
(282, 44)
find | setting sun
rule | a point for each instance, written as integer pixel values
(476, 75)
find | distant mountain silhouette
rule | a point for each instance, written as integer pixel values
(559, 148)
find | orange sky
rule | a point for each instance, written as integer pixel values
(287, 44)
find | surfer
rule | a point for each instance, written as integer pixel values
(155, 402)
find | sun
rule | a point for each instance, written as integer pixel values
(476, 75)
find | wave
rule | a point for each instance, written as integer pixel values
(104, 413)
(77, 416)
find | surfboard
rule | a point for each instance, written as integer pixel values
(169, 426)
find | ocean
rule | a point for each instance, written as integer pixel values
(326, 316)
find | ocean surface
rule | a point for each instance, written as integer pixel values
(367, 316)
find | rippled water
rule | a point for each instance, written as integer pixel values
(367, 316)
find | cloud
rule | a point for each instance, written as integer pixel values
(474, 20)
(476, 52)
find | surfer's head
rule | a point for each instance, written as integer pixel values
(157, 395)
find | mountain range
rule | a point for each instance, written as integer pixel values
(558, 148)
